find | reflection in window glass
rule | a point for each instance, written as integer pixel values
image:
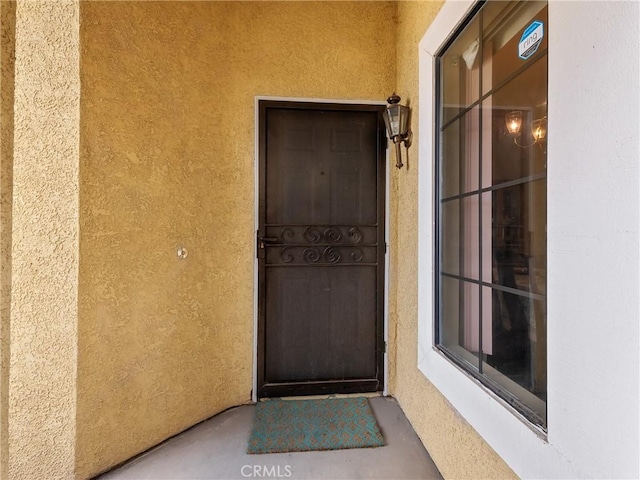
(492, 246)
(460, 73)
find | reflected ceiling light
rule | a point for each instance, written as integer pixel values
(396, 118)
(513, 121)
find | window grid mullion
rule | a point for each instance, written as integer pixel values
(496, 286)
(499, 186)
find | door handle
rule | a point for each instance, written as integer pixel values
(264, 240)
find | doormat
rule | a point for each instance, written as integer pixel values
(302, 425)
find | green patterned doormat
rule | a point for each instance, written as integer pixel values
(302, 425)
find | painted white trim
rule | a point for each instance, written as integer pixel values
(256, 165)
(256, 220)
(387, 265)
(318, 100)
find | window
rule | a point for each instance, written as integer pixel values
(491, 190)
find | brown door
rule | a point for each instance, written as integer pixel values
(320, 249)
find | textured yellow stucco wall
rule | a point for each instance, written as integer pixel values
(167, 159)
(42, 382)
(159, 159)
(455, 446)
(7, 52)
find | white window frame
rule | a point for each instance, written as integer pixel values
(503, 427)
(593, 413)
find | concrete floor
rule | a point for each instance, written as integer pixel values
(216, 449)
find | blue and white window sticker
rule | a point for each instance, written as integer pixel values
(530, 40)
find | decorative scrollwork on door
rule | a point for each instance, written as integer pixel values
(332, 235)
(326, 245)
(356, 255)
(312, 235)
(318, 234)
(286, 255)
(311, 255)
(331, 255)
(355, 235)
(287, 235)
(321, 255)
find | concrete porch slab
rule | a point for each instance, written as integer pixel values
(216, 449)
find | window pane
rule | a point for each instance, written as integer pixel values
(537, 231)
(502, 31)
(470, 334)
(450, 237)
(515, 156)
(450, 310)
(470, 126)
(460, 72)
(460, 155)
(470, 237)
(519, 343)
(452, 152)
(459, 328)
(487, 237)
(519, 237)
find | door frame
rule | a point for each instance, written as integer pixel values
(256, 163)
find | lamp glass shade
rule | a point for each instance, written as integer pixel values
(391, 120)
(539, 128)
(396, 118)
(513, 121)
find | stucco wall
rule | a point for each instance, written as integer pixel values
(167, 159)
(42, 396)
(456, 448)
(7, 46)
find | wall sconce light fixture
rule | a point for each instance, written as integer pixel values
(539, 129)
(513, 121)
(396, 118)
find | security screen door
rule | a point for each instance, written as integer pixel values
(320, 248)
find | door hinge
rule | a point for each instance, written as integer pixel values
(384, 347)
